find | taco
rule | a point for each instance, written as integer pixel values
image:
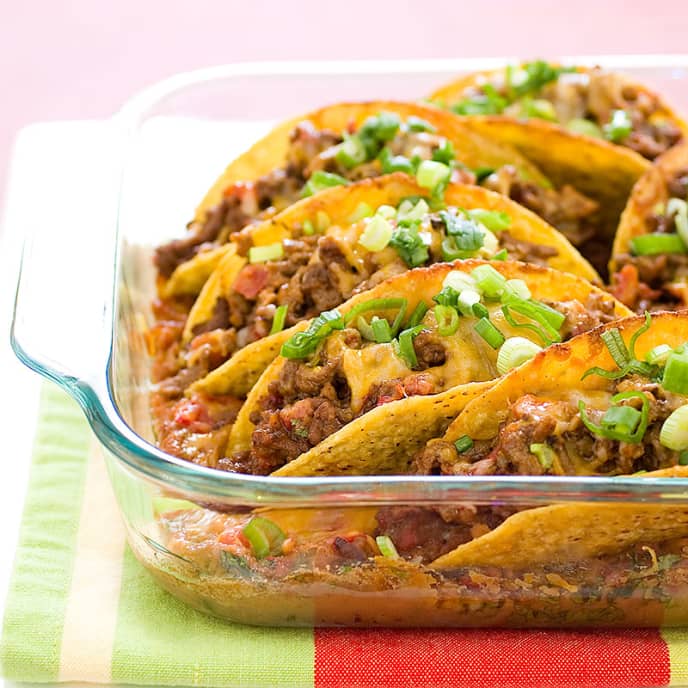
(610, 402)
(406, 354)
(348, 142)
(587, 101)
(649, 265)
(310, 258)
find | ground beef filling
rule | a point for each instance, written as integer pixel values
(571, 212)
(308, 403)
(532, 420)
(649, 283)
(250, 201)
(425, 533)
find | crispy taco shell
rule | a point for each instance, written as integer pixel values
(574, 531)
(652, 191)
(591, 93)
(270, 153)
(365, 445)
(240, 372)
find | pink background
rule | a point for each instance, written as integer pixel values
(72, 59)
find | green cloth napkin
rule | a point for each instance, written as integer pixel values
(144, 635)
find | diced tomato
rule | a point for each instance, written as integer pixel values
(396, 393)
(251, 280)
(625, 285)
(419, 385)
(190, 414)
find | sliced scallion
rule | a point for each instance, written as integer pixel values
(377, 234)
(494, 220)
(657, 244)
(386, 547)
(432, 174)
(463, 444)
(381, 330)
(489, 333)
(578, 125)
(543, 453)
(466, 301)
(447, 320)
(418, 314)
(264, 536)
(351, 152)
(319, 181)
(262, 254)
(405, 347)
(514, 352)
(659, 355)
(490, 282)
(675, 377)
(278, 319)
(674, 432)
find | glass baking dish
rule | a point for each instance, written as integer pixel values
(86, 333)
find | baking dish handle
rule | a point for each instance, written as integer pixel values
(62, 200)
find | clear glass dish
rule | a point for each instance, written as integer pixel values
(175, 138)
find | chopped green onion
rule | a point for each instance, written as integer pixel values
(261, 254)
(394, 163)
(514, 352)
(432, 174)
(447, 297)
(621, 419)
(489, 281)
(405, 347)
(631, 431)
(351, 152)
(458, 280)
(362, 211)
(378, 130)
(264, 536)
(412, 212)
(616, 347)
(302, 344)
(410, 246)
(659, 355)
(365, 329)
(679, 209)
(494, 220)
(675, 377)
(386, 211)
(656, 244)
(544, 454)
(501, 255)
(683, 458)
(467, 301)
(417, 124)
(674, 432)
(550, 320)
(538, 108)
(381, 330)
(637, 334)
(386, 547)
(463, 444)
(377, 234)
(308, 228)
(489, 333)
(278, 319)
(444, 153)
(479, 310)
(619, 127)
(447, 320)
(465, 236)
(399, 304)
(515, 290)
(482, 173)
(585, 127)
(322, 180)
(418, 314)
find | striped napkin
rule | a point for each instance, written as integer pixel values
(80, 608)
